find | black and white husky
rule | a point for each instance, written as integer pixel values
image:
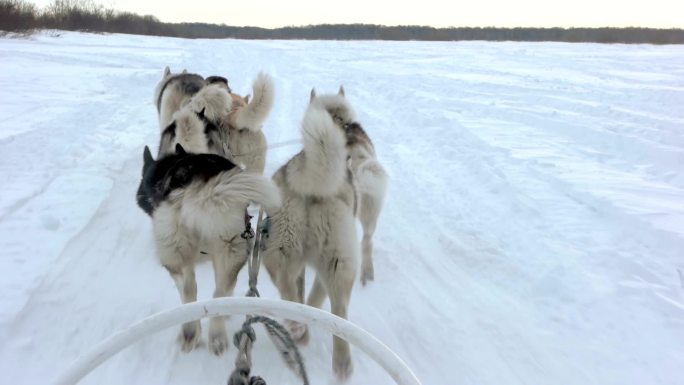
(197, 203)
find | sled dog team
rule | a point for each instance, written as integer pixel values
(208, 169)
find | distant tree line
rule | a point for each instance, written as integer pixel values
(84, 15)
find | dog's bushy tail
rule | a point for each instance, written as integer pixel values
(372, 179)
(252, 116)
(321, 168)
(213, 101)
(187, 130)
(216, 207)
(371, 184)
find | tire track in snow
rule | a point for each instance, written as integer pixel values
(21, 202)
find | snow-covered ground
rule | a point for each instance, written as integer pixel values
(533, 234)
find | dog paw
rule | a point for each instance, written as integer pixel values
(367, 275)
(343, 368)
(218, 341)
(298, 331)
(190, 336)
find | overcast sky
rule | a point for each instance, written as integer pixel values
(476, 13)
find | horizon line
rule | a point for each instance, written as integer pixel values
(406, 25)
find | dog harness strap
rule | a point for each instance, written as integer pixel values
(253, 258)
(248, 233)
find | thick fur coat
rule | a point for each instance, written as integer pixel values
(195, 191)
(217, 121)
(315, 226)
(197, 203)
(370, 177)
(174, 91)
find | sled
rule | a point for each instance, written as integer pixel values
(340, 327)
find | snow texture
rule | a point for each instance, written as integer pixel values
(533, 231)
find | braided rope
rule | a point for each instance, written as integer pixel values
(245, 337)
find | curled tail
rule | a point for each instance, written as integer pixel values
(213, 102)
(253, 115)
(372, 179)
(247, 187)
(186, 129)
(321, 168)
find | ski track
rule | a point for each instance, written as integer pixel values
(532, 234)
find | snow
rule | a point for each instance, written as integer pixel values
(533, 232)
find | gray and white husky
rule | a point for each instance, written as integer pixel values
(315, 226)
(227, 123)
(173, 91)
(196, 196)
(197, 203)
(370, 177)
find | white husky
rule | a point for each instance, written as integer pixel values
(370, 177)
(315, 226)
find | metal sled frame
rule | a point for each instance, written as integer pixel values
(340, 327)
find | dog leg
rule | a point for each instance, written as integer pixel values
(317, 294)
(226, 269)
(291, 289)
(184, 277)
(367, 270)
(340, 281)
(286, 269)
(301, 285)
(368, 216)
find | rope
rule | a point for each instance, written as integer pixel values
(245, 337)
(243, 340)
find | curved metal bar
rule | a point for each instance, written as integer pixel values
(340, 327)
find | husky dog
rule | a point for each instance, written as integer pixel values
(370, 177)
(229, 124)
(315, 226)
(197, 203)
(173, 92)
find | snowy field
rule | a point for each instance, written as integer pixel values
(533, 233)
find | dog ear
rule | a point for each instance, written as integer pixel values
(167, 71)
(180, 150)
(246, 98)
(148, 160)
(313, 95)
(341, 91)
